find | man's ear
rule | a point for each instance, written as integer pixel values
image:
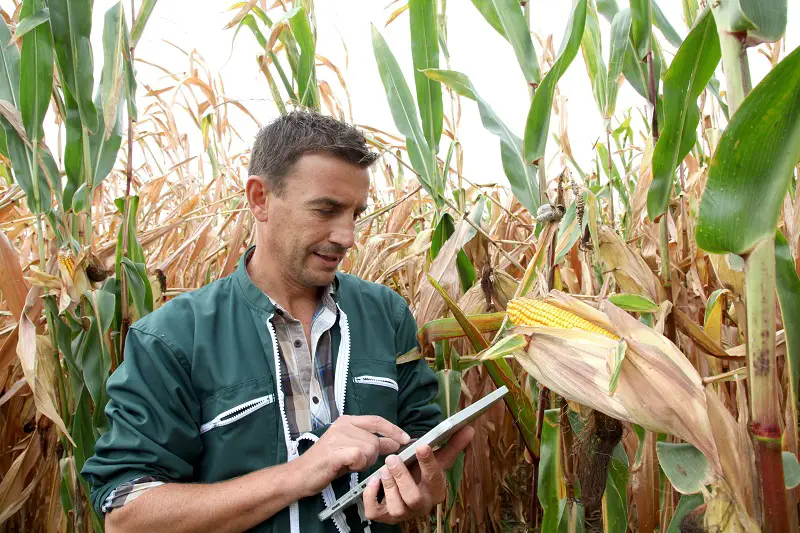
(258, 196)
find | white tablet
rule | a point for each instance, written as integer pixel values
(433, 438)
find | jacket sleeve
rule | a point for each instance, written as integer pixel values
(417, 383)
(153, 416)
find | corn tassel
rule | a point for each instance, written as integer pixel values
(529, 312)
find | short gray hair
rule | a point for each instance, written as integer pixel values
(279, 145)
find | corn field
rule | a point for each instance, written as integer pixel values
(652, 341)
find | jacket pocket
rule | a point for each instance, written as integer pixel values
(375, 387)
(377, 380)
(240, 430)
(237, 413)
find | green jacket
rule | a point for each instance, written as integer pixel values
(214, 349)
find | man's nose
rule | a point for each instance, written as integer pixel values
(344, 234)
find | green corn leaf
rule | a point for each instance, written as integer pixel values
(90, 347)
(593, 57)
(141, 292)
(36, 72)
(17, 144)
(635, 71)
(444, 229)
(662, 23)
(620, 31)
(449, 391)
(447, 399)
(115, 50)
(538, 122)
(307, 89)
(760, 20)
(641, 27)
(83, 429)
(21, 154)
(104, 145)
(634, 303)
(9, 67)
(685, 80)
(791, 470)
(549, 461)
(714, 302)
(75, 187)
(30, 21)
(687, 504)
(425, 53)
(522, 177)
(250, 21)
(749, 175)
(404, 113)
(788, 286)
(505, 346)
(685, 466)
(615, 365)
(135, 251)
(690, 10)
(615, 496)
(145, 10)
(506, 17)
(71, 24)
(607, 8)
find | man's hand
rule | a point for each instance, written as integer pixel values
(349, 445)
(407, 495)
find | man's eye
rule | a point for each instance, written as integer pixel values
(325, 212)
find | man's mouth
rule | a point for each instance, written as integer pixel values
(329, 259)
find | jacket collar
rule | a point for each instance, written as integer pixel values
(256, 296)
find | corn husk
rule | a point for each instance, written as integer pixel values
(631, 272)
(657, 387)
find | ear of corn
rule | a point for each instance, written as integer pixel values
(66, 261)
(529, 312)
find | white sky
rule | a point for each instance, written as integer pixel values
(475, 49)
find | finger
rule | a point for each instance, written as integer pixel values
(387, 446)
(408, 488)
(377, 424)
(430, 469)
(352, 459)
(373, 510)
(365, 441)
(457, 442)
(395, 506)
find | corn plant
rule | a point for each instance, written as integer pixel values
(630, 307)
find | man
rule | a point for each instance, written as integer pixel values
(258, 400)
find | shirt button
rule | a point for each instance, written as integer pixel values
(315, 399)
(297, 343)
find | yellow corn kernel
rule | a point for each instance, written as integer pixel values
(529, 312)
(66, 260)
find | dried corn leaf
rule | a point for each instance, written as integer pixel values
(630, 270)
(28, 352)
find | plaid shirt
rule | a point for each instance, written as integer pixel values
(306, 383)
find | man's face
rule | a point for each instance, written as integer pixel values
(311, 224)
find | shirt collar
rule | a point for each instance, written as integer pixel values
(260, 299)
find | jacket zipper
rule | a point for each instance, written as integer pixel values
(376, 380)
(237, 413)
(291, 447)
(342, 363)
(328, 496)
